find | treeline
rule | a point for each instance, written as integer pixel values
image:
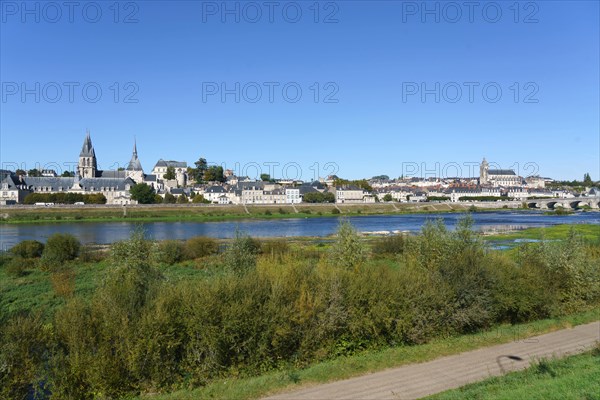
(318, 197)
(140, 333)
(65, 198)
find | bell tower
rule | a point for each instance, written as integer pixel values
(87, 159)
(483, 172)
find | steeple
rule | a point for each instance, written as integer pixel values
(88, 149)
(134, 164)
(87, 159)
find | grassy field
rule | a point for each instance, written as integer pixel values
(556, 232)
(372, 361)
(166, 213)
(575, 377)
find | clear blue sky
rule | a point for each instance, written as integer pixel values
(374, 57)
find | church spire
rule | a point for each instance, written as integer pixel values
(134, 164)
(87, 150)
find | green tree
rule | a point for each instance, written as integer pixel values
(265, 177)
(34, 172)
(170, 173)
(169, 199)
(240, 255)
(183, 199)
(387, 197)
(214, 173)
(61, 247)
(348, 251)
(20, 172)
(587, 180)
(197, 173)
(199, 199)
(143, 193)
(68, 174)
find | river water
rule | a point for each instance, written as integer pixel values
(108, 232)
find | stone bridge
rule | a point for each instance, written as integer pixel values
(567, 204)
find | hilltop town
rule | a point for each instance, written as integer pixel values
(176, 182)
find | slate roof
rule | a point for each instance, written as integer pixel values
(111, 174)
(134, 164)
(54, 183)
(171, 163)
(87, 149)
(501, 172)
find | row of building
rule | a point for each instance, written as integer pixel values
(115, 185)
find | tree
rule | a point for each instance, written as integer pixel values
(381, 178)
(387, 197)
(20, 172)
(348, 251)
(214, 174)
(34, 172)
(170, 173)
(587, 180)
(68, 174)
(183, 199)
(200, 199)
(169, 199)
(265, 177)
(197, 173)
(143, 193)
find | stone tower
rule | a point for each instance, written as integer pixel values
(483, 172)
(87, 166)
(134, 169)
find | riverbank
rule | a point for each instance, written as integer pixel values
(21, 214)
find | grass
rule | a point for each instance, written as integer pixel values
(588, 231)
(204, 213)
(575, 377)
(372, 361)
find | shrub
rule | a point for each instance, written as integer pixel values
(169, 252)
(16, 266)
(61, 247)
(200, 246)
(28, 249)
(348, 251)
(240, 255)
(63, 282)
(275, 248)
(282, 211)
(268, 212)
(335, 211)
(393, 244)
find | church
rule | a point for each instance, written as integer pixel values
(498, 177)
(88, 179)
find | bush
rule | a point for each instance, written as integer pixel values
(169, 252)
(200, 246)
(268, 212)
(393, 244)
(61, 247)
(28, 249)
(63, 282)
(240, 255)
(335, 211)
(348, 251)
(16, 267)
(88, 254)
(275, 248)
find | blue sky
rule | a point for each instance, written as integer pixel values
(361, 68)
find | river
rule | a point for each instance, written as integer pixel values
(108, 232)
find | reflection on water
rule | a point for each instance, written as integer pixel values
(108, 232)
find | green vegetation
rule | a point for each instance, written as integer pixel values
(142, 193)
(64, 198)
(199, 212)
(318, 197)
(575, 377)
(147, 323)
